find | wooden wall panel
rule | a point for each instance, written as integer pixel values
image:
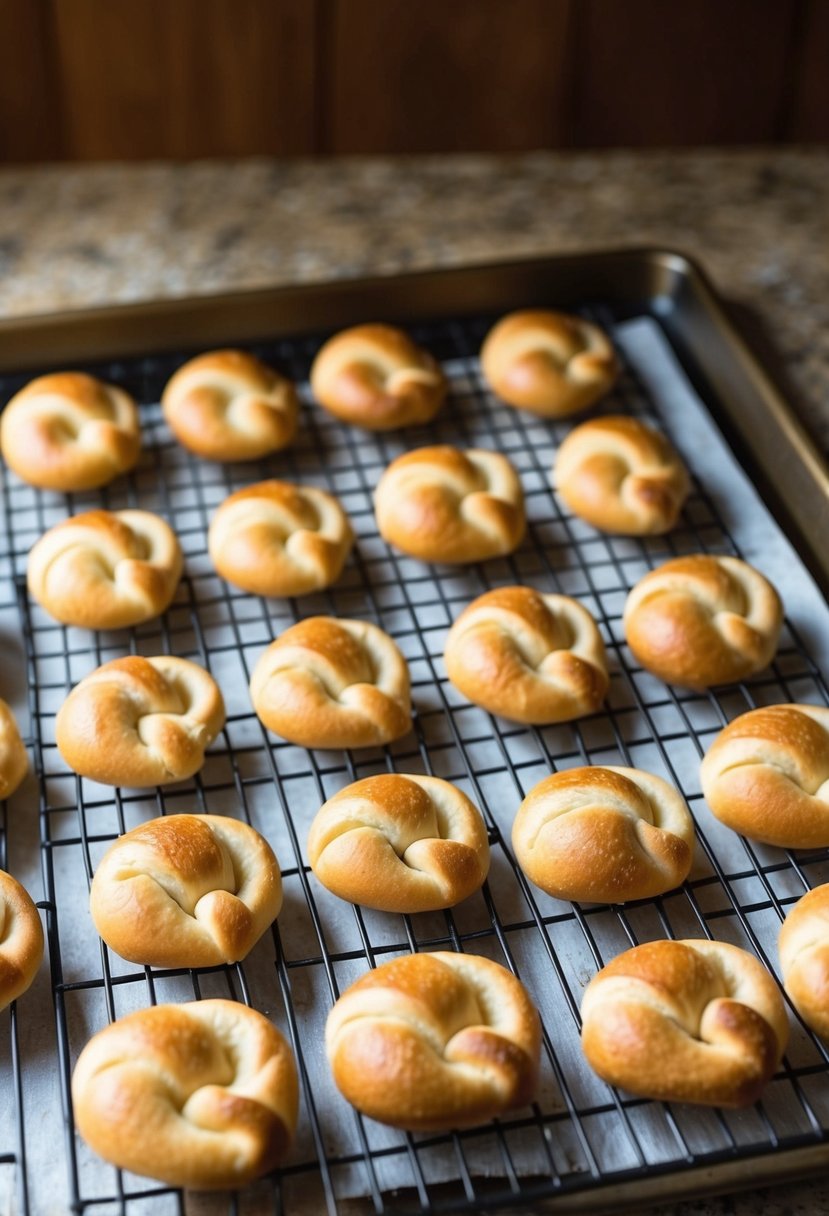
(29, 129)
(176, 78)
(808, 117)
(657, 72)
(443, 75)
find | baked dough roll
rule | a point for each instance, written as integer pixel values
(374, 376)
(21, 940)
(766, 775)
(68, 431)
(106, 569)
(140, 722)
(432, 1042)
(604, 835)
(703, 620)
(527, 656)
(330, 682)
(400, 844)
(277, 539)
(186, 891)
(444, 505)
(804, 958)
(689, 1021)
(227, 405)
(14, 759)
(621, 476)
(201, 1095)
(548, 362)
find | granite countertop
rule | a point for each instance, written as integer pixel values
(757, 220)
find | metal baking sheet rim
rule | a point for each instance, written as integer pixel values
(672, 284)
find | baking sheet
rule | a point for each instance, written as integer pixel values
(421, 633)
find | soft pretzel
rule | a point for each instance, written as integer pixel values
(804, 958)
(766, 775)
(688, 1021)
(375, 376)
(400, 844)
(186, 891)
(276, 539)
(228, 405)
(444, 505)
(548, 362)
(621, 476)
(14, 760)
(105, 569)
(330, 682)
(604, 835)
(703, 620)
(69, 431)
(201, 1095)
(431, 1042)
(527, 656)
(21, 940)
(140, 722)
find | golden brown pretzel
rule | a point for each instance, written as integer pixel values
(621, 476)
(375, 376)
(197, 1095)
(277, 539)
(527, 656)
(106, 569)
(69, 431)
(331, 682)
(548, 362)
(186, 891)
(400, 843)
(444, 505)
(228, 405)
(702, 620)
(689, 1021)
(804, 958)
(429, 1042)
(21, 939)
(767, 775)
(140, 722)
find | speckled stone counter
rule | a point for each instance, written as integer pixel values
(758, 221)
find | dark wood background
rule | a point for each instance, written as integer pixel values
(93, 79)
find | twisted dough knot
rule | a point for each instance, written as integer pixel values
(804, 958)
(604, 835)
(186, 891)
(276, 539)
(529, 657)
(689, 1021)
(106, 570)
(140, 722)
(400, 844)
(14, 760)
(548, 362)
(701, 620)
(444, 505)
(767, 775)
(69, 431)
(335, 683)
(621, 476)
(375, 376)
(430, 1042)
(227, 405)
(21, 940)
(198, 1095)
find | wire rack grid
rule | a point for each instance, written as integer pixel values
(579, 1133)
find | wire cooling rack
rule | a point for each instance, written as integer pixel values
(580, 1134)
